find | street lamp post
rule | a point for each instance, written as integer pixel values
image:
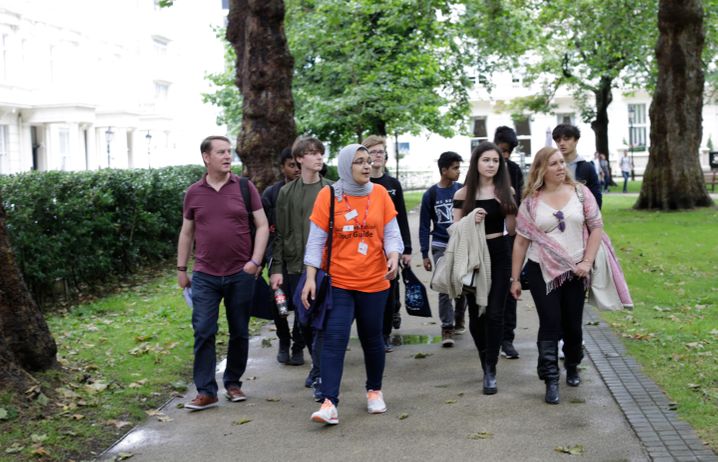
(108, 138)
(148, 137)
(631, 115)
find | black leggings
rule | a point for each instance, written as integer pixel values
(560, 312)
(487, 330)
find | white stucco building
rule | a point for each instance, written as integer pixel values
(629, 125)
(73, 72)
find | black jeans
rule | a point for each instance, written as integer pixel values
(560, 312)
(488, 330)
(282, 324)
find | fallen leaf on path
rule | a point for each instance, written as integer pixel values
(14, 449)
(421, 355)
(273, 399)
(266, 343)
(118, 423)
(38, 437)
(577, 401)
(241, 422)
(403, 416)
(576, 450)
(450, 401)
(123, 456)
(153, 412)
(164, 418)
(40, 452)
(481, 436)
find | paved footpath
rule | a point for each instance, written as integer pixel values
(436, 411)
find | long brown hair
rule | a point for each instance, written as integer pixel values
(534, 182)
(502, 182)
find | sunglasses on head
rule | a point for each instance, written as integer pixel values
(561, 223)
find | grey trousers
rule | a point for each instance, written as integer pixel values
(449, 310)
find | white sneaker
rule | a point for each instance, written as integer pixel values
(375, 402)
(560, 349)
(327, 414)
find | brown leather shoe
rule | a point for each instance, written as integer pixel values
(201, 402)
(235, 394)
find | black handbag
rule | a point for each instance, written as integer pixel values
(314, 315)
(416, 300)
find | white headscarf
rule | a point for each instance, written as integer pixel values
(346, 184)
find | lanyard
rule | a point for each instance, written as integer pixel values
(366, 212)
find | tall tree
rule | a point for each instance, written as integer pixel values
(26, 344)
(673, 178)
(255, 29)
(591, 47)
(377, 66)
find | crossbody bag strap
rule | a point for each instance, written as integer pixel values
(331, 228)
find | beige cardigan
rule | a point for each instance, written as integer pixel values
(465, 253)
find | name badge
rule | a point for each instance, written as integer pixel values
(363, 248)
(351, 215)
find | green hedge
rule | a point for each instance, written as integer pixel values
(83, 228)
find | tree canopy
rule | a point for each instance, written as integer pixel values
(376, 66)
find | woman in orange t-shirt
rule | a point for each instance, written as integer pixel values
(366, 245)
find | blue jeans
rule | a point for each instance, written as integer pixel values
(626, 175)
(207, 291)
(368, 309)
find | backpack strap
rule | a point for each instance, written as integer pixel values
(244, 187)
(331, 228)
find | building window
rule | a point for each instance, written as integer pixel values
(64, 146)
(159, 44)
(523, 133)
(4, 147)
(565, 118)
(3, 56)
(479, 127)
(637, 127)
(161, 91)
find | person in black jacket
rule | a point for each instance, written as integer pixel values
(378, 156)
(566, 138)
(289, 170)
(505, 138)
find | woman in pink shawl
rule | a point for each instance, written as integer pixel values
(559, 229)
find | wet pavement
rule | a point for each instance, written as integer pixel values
(436, 410)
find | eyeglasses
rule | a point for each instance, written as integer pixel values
(377, 153)
(561, 224)
(362, 162)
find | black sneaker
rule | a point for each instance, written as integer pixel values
(283, 355)
(508, 351)
(297, 358)
(396, 320)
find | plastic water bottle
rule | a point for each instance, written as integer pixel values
(281, 301)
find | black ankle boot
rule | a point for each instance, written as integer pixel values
(552, 391)
(490, 380)
(548, 369)
(572, 377)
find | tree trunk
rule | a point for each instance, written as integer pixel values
(673, 178)
(25, 340)
(599, 125)
(264, 77)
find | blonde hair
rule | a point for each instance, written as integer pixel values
(534, 181)
(373, 140)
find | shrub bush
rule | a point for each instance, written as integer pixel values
(86, 227)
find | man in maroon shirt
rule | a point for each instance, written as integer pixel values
(227, 263)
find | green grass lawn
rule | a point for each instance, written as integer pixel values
(412, 199)
(122, 357)
(671, 264)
